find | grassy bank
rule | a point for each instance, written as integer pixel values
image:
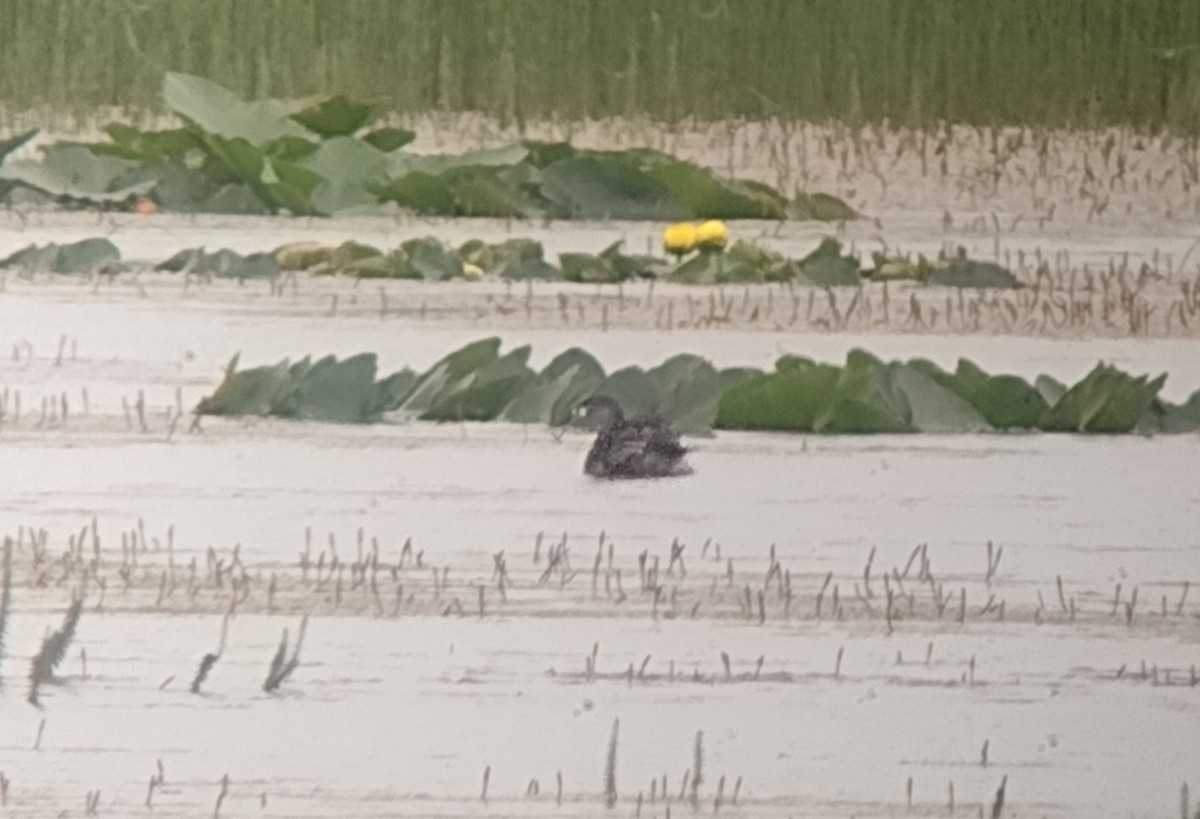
(1092, 62)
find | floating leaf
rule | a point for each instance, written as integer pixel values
(553, 394)
(963, 272)
(80, 257)
(593, 187)
(827, 267)
(448, 372)
(482, 394)
(403, 163)
(936, 408)
(1006, 401)
(249, 392)
(634, 390)
(332, 390)
(705, 196)
(7, 146)
(281, 185)
(865, 399)
(820, 207)
(432, 260)
(790, 399)
(85, 256)
(1106, 400)
(75, 172)
(347, 167)
(336, 116)
(220, 112)
(389, 139)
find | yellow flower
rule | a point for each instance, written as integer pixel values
(712, 235)
(472, 272)
(679, 238)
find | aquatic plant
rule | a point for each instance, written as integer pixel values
(862, 396)
(53, 650)
(282, 665)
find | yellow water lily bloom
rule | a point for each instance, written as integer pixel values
(472, 272)
(712, 235)
(679, 238)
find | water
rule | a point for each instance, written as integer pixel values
(391, 715)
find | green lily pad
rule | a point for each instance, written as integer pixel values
(963, 272)
(1106, 400)
(482, 394)
(553, 395)
(690, 389)
(391, 391)
(594, 187)
(866, 399)
(447, 372)
(249, 392)
(935, 408)
(220, 112)
(281, 185)
(827, 267)
(402, 163)
(389, 139)
(7, 146)
(431, 259)
(635, 391)
(336, 117)
(820, 207)
(706, 197)
(74, 172)
(80, 257)
(347, 168)
(1006, 401)
(332, 390)
(85, 256)
(789, 400)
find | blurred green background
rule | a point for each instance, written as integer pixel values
(1077, 63)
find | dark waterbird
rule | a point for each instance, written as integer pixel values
(640, 447)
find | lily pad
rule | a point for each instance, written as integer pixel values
(7, 146)
(635, 391)
(249, 392)
(389, 139)
(1106, 400)
(820, 207)
(220, 112)
(936, 408)
(827, 267)
(591, 187)
(74, 172)
(447, 372)
(553, 394)
(790, 400)
(866, 399)
(332, 390)
(705, 196)
(483, 393)
(336, 117)
(347, 167)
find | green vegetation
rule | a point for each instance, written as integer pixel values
(1092, 62)
(863, 396)
(324, 158)
(518, 259)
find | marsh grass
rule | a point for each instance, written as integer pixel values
(1091, 61)
(53, 650)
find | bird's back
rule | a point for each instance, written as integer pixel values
(637, 448)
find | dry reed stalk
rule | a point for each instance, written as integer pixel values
(610, 768)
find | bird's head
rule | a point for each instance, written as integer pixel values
(598, 412)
